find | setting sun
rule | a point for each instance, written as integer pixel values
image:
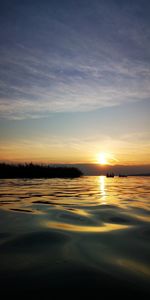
(102, 159)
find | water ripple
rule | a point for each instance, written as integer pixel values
(95, 226)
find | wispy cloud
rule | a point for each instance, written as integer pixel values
(73, 60)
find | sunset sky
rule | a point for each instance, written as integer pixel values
(75, 81)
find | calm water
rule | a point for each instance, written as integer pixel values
(86, 232)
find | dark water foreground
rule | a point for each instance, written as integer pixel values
(90, 232)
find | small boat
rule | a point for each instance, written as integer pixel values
(110, 175)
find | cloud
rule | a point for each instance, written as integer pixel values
(73, 60)
(29, 92)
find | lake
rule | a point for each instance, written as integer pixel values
(89, 232)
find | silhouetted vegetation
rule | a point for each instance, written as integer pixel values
(37, 171)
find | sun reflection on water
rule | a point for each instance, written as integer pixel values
(102, 187)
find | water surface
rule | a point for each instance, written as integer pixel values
(89, 232)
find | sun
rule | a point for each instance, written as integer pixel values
(105, 158)
(102, 159)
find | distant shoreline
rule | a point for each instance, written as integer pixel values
(32, 170)
(117, 175)
(139, 174)
(14, 171)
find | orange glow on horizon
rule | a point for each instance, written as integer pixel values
(35, 151)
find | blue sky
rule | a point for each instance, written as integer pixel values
(72, 71)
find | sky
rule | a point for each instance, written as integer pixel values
(75, 81)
